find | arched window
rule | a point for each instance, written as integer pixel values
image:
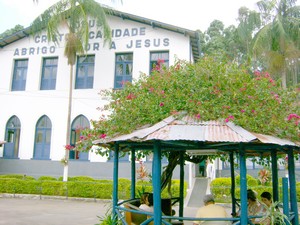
(12, 137)
(79, 123)
(42, 138)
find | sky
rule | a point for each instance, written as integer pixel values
(189, 14)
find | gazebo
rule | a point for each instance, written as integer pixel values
(187, 135)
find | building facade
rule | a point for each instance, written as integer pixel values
(34, 88)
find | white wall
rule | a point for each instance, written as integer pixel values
(31, 104)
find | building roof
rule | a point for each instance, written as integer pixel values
(200, 136)
(194, 35)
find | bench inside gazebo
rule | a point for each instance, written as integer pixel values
(185, 135)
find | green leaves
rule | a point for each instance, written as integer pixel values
(74, 15)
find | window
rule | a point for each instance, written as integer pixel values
(42, 138)
(158, 59)
(48, 81)
(20, 74)
(123, 71)
(12, 137)
(85, 72)
(80, 123)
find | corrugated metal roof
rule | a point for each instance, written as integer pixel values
(194, 36)
(190, 129)
(267, 139)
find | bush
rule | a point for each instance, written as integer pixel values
(17, 176)
(146, 186)
(251, 181)
(18, 186)
(79, 178)
(221, 187)
(42, 178)
(57, 188)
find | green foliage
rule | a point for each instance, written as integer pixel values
(277, 42)
(11, 31)
(75, 15)
(108, 218)
(18, 186)
(43, 178)
(145, 186)
(81, 186)
(251, 181)
(17, 176)
(274, 216)
(223, 181)
(82, 178)
(221, 187)
(57, 188)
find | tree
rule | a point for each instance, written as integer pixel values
(249, 23)
(211, 89)
(278, 41)
(11, 31)
(214, 38)
(74, 15)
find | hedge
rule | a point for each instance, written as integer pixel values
(221, 188)
(80, 186)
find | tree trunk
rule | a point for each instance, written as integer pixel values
(66, 167)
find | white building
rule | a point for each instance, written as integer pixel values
(34, 81)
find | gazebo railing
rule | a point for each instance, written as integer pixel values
(121, 211)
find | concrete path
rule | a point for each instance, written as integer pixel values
(49, 210)
(36, 211)
(198, 192)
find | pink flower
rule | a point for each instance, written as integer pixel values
(69, 147)
(256, 73)
(161, 104)
(198, 116)
(102, 136)
(293, 115)
(231, 117)
(160, 61)
(242, 111)
(82, 137)
(130, 96)
(267, 75)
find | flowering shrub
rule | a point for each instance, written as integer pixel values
(208, 90)
(264, 176)
(142, 173)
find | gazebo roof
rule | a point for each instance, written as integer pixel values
(189, 133)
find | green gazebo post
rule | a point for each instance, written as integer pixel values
(156, 172)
